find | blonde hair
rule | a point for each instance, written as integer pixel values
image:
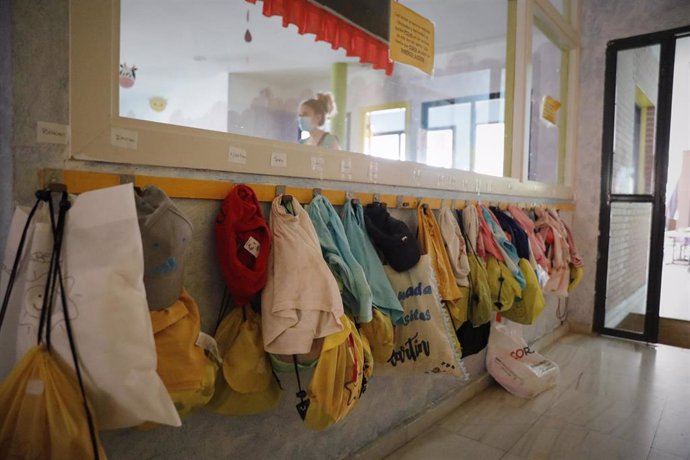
(323, 104)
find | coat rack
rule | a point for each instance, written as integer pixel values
(207, 189)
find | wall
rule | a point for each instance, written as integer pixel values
(6, 163)
(604, 20)
(39, 77)
(198, 101)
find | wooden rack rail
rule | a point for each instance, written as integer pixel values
(78, 181)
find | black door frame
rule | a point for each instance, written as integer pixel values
(667, 41)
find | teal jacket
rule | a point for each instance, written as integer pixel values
(357, 296)
(384, 297)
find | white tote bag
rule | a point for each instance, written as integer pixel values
(103, 269)
(514, 365)
(425, 341)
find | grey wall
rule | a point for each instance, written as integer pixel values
(39, 80)
(604, 20)
(6, 164)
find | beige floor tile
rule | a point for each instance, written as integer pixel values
(601, 446)
(659, 455)
(615, 399)
(550, 438)
(673, 434)
(440, 444)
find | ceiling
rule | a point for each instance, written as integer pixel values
(175, 38)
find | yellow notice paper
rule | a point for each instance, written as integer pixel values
(549, 110)
(411, 38)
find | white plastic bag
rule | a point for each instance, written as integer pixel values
(513, 364)
(103, 269)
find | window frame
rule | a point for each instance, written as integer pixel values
(367, 136)
(472, 100)
(95, 122)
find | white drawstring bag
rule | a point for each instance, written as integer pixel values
(103, 268)
(515, 366)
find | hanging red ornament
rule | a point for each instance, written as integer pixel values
(248, 34)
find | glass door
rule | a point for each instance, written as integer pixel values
(635, 151)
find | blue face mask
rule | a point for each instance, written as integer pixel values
(305, 123)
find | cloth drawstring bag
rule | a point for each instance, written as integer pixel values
(356, 293)
(455, 246)
(383, 296)
(246, 385)
(431, 243)
(187, 373)
(45, 410)
(243, 244)
(391, 237)
(301, 301)
(527, 309)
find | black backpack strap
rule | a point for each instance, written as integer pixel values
(303, 404)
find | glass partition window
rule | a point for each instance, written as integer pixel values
(224, 66)
(466, 133)
(547, 109)
(637, 81)
(385, 133)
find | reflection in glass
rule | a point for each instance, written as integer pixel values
(637, 81)
(196, 57)
(546, 146)
(628, 262)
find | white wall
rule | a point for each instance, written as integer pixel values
(197, 101)
(680, 115)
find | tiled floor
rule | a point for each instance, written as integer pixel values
(615, 400)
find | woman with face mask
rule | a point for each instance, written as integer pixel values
(312, 117)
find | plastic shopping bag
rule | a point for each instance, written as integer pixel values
(513, 364)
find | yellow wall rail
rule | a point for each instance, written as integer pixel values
(208, 189)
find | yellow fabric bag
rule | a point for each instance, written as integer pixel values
(527, 309)
(187, 373)
(431, 241)
(576, 274)
(503, 285)
(246, 384)
(336, 385)
(380, 336)
(479, 305)
(42, 412)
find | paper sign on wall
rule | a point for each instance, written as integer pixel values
(549, 110)
(124, 138)
(279, 160)
(412, 38)
(52, 133)
(237, 155)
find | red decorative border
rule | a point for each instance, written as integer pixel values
(327, 27)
